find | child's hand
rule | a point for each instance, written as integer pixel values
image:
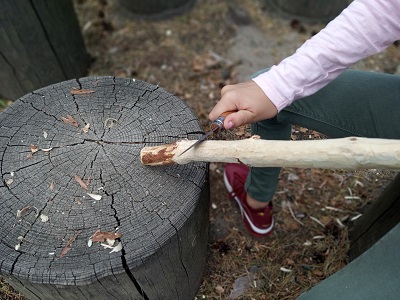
(248, 100)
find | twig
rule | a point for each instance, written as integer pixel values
(317, 221)
(291, 212)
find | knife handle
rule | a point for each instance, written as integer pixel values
(219, 122)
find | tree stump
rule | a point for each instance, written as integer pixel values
(41, 44)
(71, 173)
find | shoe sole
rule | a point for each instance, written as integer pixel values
(258, 231)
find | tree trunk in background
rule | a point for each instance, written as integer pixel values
(307, 10)
(41, 44)
(157, 9)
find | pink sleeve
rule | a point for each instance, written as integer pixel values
(364, 28)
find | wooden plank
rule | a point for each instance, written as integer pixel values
(381, 216)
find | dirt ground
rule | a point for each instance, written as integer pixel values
(193, 55)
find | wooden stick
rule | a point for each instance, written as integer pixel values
(343, 153)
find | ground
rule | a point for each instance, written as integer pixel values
(193, 55)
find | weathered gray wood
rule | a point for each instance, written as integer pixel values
(380, 217)
(41, 44)
(157, 9)
(162, 213)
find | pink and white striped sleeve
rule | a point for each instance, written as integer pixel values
(364, 28)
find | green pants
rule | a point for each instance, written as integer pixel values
(357, 103)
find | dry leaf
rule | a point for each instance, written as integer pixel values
(52, 185)
(81, 183)
(219, 289)
(76, 91)
(70, 120)
(94, 196)
(318, 273)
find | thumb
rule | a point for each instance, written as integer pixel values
(237, 119)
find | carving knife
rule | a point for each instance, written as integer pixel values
(215, 126)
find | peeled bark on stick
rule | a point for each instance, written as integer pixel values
(343, 153)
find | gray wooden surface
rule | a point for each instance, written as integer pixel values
(161, 212)
(41, 44)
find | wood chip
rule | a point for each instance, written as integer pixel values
(76, 91)
(34, 149)
(117, 248)
(94, 196)
(44, 218)
(81, 183)
(68, 247)
(101, 236)
(70, 120)
(86, 128)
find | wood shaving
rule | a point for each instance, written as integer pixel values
(117, 248)
(70, 120)
(34, 149)
(76, 91)
(101, 236)
(81, 183)
(67, 247)
(44, 218)
(94, 196)
(86, 128)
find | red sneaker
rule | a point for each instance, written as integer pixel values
(258, 222)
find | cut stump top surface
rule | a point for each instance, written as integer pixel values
(65, 146)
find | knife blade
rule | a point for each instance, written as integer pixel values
(216, 126)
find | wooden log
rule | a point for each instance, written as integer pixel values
(344, 153)
(70, 168)
(41, 44)
(378, 219)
